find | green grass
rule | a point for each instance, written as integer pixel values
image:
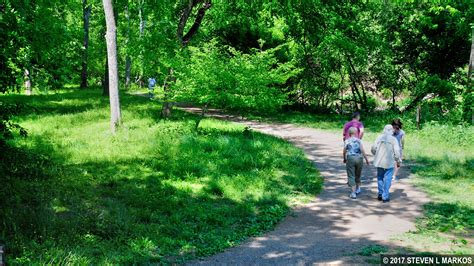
(157, 191)
(372, 249)
(443, 159)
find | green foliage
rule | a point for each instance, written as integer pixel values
(468, 105)
(41, 36)
(372, 249)
(7, 127)
(233, 80)
(445, 217)
(156, 192)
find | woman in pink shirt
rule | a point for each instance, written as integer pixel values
(355, 122)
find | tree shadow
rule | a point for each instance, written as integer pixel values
(157, 207)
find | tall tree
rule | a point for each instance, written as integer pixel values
(128, 59)
(184, 40)
(111, 39)
(471, 58)
(86, 13)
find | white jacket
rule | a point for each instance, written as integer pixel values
(386, 151)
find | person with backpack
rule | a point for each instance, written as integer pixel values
(353, 154)
(387, 156)
(151, 86)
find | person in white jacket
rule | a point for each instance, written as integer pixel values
(387, 155)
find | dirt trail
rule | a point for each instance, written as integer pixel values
(332, 226)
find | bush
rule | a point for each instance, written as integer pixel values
(233, 80)
(7, 127)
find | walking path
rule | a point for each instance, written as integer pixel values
(332, 226)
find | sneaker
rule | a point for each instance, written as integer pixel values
(379, 197)
(358, 190)
(353, 195)
(385, 200)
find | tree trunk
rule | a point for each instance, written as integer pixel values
(27, 82)
(471, 59)
(166, 110)
(185, 38)
(142, 19)
(203, 114)
(393, 98)
(86, 11)
(142, 31)
(128, 60)
(111, 39)
(355, 78)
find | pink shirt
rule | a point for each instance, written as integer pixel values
(352, 123)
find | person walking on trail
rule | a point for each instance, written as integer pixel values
(387, 155)
(399, 134)
(151, 86)
(355, 122)
(353, 154)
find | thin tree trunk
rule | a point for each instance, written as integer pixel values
(86, 12)
(470, 73)
(166, 110)
(354, 89)
(142, 19)
(111, 38)
(27, 82)
(203, 114)
(471, 60)
(355, 78)
(142, 25)
(418, 116)
(128, 60)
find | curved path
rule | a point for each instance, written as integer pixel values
(332, 226)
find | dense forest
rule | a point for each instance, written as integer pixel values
(259, 56)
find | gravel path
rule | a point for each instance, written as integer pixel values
(332, 226)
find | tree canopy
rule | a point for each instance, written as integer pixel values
(252, 55)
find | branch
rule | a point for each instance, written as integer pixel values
(197, 22)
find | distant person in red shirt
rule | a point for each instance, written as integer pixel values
(355, 122)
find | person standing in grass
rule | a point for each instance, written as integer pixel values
(355, 122)
(353, 155)
(151, 86)
(387, 156)
(399, 134)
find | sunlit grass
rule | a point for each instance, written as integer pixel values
(157, 191)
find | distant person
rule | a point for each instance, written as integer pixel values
(353, 154)
(387, 156)
(151, 86)
(355, 122)
(399, 134)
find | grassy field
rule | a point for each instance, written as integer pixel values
(442, 158)
(158, 191)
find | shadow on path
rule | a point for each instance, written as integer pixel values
(332, 226)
